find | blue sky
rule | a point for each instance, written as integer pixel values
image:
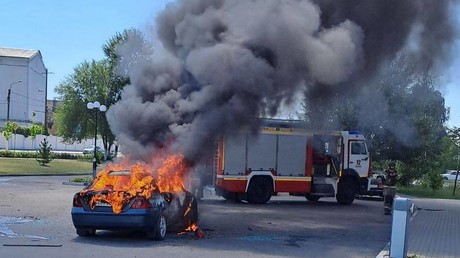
(69, 32)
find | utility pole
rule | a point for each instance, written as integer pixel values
(8, 108)
(8, 99)
(458, 168)
(46, 97)
(454, 135)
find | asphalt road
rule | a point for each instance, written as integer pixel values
(35, 222)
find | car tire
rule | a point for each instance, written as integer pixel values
(159, 231)
(84, 232)
(260, 190)
(312, 198)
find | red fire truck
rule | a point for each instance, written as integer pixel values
(286, 157)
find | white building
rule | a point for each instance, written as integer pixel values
(24, 75)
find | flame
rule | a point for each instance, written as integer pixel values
(196, 230)
(143, 181)
(193, 227)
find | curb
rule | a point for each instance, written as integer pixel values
(385, 252)
(74, 184)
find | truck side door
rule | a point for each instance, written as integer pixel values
(358, 157)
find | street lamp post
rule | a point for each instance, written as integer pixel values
(96, 106)
(458, 168)
(8, 100)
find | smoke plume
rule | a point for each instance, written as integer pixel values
(224, 63)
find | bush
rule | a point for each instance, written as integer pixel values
(35, 155)
(99, 157)
(12, 154)
(64, 156)
(6, 154)
(435, 180)
(24, 131)
(85, 180)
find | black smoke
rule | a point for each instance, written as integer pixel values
(224, 63)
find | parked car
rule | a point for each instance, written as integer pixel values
(153, 215)
(377, 183)
(90, 150)
(450, 175)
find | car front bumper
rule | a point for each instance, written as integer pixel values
(137, 219)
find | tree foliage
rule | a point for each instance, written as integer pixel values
(9, 129)
(449, 154)
(92, 81)
(400, 112)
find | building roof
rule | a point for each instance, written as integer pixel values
(16, 52)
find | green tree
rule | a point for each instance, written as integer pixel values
(8, 131)
(35, 130)
(454, 136)
(400, 112)
(101, 81)
(449, 154)
(89, 82)
(44, 153)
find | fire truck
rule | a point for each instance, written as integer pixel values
(285, 157)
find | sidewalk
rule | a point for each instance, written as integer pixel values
(434, 231)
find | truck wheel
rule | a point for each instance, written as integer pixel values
(346, 192)
(312, 198)
(260, 190)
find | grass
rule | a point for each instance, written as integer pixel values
(443, 193)
(25, 166)
(84, 180)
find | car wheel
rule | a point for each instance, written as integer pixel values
(312, 198)
(159, 231)
(83, 232)
(445, 178)
(260, 190)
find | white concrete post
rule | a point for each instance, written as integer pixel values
(401, 216)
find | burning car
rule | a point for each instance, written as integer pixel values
(133, 199)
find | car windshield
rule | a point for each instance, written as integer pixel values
(120, 173)
(113, 181)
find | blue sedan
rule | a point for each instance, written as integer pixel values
(154, 215)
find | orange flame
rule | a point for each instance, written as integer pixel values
(192, 228)
(143, 181)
